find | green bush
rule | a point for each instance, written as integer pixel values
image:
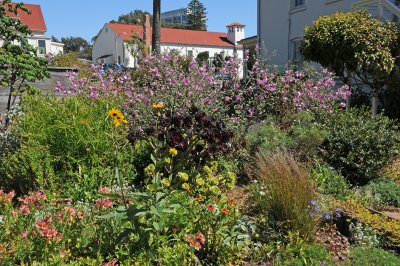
(372, 256)
(66, 145)
(330, 182)
(302, 137)
(265, 136)
(306, 255)
(359, 145)
(306, 133)
(387, 190)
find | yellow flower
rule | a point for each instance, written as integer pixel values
(173, 151)
(116, 122)
(118, 117)
(158, 106)
(115, 113)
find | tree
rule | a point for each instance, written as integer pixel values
(137, 17)
(19, 63)
(77, 45)
(197, 15)
(202, 57)
(355, 46)
(156, 49)
(54, 39)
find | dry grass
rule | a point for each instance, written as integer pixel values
(289, 191)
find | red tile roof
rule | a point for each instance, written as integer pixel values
(175, 36)
(236, 24)
(35, 20)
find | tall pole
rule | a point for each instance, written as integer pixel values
(156, 27)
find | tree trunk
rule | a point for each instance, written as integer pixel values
(374, 101)
(156, 27)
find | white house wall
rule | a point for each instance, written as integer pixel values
(280, 25)
(105, 44)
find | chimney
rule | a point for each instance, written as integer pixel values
(146, 32)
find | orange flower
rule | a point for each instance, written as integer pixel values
(198, 198)
(225, 211)
(232, 202)
(211, 207)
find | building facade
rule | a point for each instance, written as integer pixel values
(36, 23)
(115, 44)
(178, 16)
(281, 24)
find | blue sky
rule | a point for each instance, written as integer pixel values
(84, 18)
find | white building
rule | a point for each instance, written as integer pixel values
(112, 43)
(281, 23)
(35, 22)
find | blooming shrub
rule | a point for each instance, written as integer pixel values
(39, 230)
(182, 84)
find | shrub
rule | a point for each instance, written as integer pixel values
(288, 192)
(392, 170)
(359, 145)
(307, 134)
(387, 190)
(64, 144)
(372, 256)
(266, 137)
(301, 137)
(330, 182)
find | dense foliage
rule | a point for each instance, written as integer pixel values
(359, 145)
(183, 163)
(19, 64)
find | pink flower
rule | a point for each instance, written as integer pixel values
(24, 234)
(103, 203)
(105, 190)
(24, 209)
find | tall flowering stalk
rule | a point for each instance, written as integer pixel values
(118, 120)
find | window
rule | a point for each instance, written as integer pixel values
(296, 53)
(190, 53)
(42, 46)
(298, 3)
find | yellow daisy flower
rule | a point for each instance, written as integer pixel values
(115, 113)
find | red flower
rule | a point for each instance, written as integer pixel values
(198, 198)
(232, 202)
(211, 207)
(225, 211)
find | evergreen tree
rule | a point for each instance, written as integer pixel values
(197, 15)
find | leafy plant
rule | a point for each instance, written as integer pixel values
(331, 182)
(359, 145)
(372, 256)
(387, 190)
(64, 144)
